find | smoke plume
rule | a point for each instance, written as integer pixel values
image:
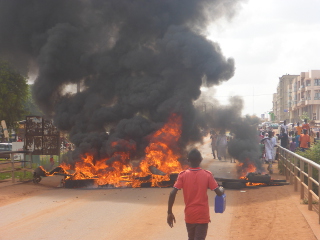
(244, 145)
(137, 62)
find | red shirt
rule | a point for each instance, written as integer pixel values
(299, 129)
(195, 182)
(304, 139)
(306, 126)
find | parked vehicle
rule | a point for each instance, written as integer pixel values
(4, 147)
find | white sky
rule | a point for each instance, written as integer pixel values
(267, 39)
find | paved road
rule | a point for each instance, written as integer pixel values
(141, 214)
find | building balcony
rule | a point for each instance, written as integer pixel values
(308, 101)
(302, 102)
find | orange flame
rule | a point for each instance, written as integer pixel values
(244, 169)
(161, 153)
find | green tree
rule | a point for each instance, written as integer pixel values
(30, 107)
(13, 94)
(304, 116)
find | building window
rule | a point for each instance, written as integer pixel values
(317, 82)
(316, 95)
(308, 95)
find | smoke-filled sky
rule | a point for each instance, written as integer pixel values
(267, 39)
(137, 61)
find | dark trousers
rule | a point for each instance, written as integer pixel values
(303, 149)
(197, 231)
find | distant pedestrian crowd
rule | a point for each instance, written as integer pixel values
(291, 137)
(219, 145)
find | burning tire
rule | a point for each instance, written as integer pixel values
(233, 185)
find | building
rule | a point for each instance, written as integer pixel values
(305, 98)
(282, 99)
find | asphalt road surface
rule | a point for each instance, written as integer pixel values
(134, 213)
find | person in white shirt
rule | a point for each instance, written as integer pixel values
(284, 126)
(222, 144)
(269, 149)
(274, 140)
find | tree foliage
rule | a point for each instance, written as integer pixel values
(304, 116)
(313, 153)
(30, 107)
(13, 94)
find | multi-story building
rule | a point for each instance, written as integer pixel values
(305, 96)
(275, 106)
(283, 98)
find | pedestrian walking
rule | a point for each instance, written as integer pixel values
(269, 148)
(297, 139)
(229, 139)
(298, 129)
(290, 137)
(306, 126)
(195, 183)
(284, 126)
(304, 140)
(284, 142)
(51, 161)
(222, 143)
(292, 146)
(274, 140)
(312, 137)
(213, 138)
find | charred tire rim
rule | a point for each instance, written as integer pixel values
(36, 180)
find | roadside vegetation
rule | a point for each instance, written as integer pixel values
(312, 154)
(13, 94)
(28, 175)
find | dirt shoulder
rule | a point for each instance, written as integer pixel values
(13, 192)
(273, 212)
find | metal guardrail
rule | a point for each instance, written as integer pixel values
(12, 162)
(304, 174)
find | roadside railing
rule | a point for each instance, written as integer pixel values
(24, 163)
(304, 174)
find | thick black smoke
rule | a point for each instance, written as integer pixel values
(138, 62)
(245, 143)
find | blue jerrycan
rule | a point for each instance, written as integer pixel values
(220, 203)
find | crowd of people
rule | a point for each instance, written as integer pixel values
(219, 144)
(291, 137)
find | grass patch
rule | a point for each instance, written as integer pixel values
(18, 175)
(305, 201)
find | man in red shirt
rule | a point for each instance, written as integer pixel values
(298, 128)
(194, 182)
(304, 140)
(306, 126)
